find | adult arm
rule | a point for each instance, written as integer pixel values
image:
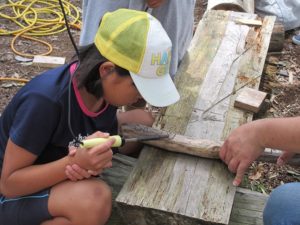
(247, 142)
(155, 3)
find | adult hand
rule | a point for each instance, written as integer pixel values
(75, 172)
(284, 157)
(240, 149)
(154, 3)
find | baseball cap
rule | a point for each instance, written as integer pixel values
(136, 41)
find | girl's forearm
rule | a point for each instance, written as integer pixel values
(34, 178)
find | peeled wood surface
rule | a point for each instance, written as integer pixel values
(180, 189)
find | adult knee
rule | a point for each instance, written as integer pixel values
(283, 205)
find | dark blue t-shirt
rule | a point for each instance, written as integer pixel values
(37, 117)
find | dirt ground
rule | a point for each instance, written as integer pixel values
(280, 80)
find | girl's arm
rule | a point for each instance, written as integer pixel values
(20, 177)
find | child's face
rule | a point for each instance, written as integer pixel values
(119, 90)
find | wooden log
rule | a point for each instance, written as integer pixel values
(232, 5)
(176, 143)
(198, 147)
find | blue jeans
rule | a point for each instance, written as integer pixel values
(283, 206)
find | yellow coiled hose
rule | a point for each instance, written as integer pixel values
(37, 18)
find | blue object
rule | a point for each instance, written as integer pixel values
(296, 39)
(283, 205)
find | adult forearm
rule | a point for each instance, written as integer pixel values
(34, 178)
(280, 133)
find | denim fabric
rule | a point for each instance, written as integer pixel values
(283, 206)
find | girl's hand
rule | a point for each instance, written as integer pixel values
(75, 172)
(154, 3)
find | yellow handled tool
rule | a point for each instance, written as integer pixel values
(89, 143)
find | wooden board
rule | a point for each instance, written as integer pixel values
(170, 188)
(48, 61)
(247, 206)
(250, 99)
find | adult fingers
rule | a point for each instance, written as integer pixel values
(154, 3)
(228, 157)
(233, 165)
(284, 158)
(242, 167)
(223, 151)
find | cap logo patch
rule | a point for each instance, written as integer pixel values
(162, 61)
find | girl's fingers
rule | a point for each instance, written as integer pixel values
(108, 164)
(98, 134)
(72, 151)
(70, 176)
(80, 172)
(94, 172)
(103, 148)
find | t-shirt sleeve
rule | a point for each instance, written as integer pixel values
(34, 123)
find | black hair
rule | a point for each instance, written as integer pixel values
(87, 74)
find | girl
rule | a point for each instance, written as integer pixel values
(59, 108)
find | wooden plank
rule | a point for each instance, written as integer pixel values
(247, 207)
(48, 61)
(181, 188)
(250, 71)
(250, 99)
(252, 22)
(169, 183)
